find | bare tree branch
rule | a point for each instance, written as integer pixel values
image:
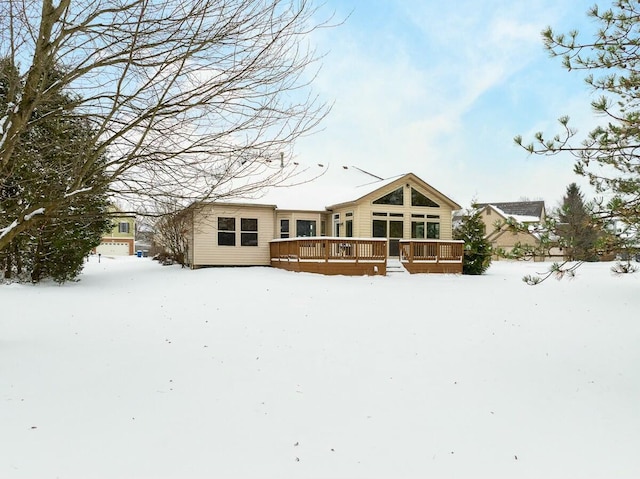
(188, 100)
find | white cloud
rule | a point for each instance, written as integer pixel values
(441, 89)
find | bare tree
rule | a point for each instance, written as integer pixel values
(188, 100)
(170, 232)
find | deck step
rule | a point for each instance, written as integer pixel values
(395, 267)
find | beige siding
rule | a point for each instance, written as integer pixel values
(489, 217)
(207, 252)
(364, 208)
(204, 249)
(503, 238)
(294, 215)
(342, 213)
(508, 239)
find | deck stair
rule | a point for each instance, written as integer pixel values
(395, 268)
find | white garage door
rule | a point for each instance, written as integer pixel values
(113, 249)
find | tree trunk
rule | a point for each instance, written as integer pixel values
(16, 252)
(8, 266)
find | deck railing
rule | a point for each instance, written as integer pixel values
(364, 256)
(330, 255)
(431, 250)
(432, 256)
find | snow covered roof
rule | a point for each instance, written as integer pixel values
(338, 185)
(521, 211)
(359, 191)
(334, 185)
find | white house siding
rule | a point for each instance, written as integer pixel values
(205, 248)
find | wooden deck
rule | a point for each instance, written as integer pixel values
(364, 256)
(432, 256)
(327, 255)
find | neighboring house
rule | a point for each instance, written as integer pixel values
(120, 241)
(530, 214)
(388, 211)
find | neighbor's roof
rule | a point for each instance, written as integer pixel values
(522, 211)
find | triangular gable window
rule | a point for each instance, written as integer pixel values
(418, 199)
(396, 197)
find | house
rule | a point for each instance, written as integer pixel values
(499, 218)
(120, 240)
(403, 217)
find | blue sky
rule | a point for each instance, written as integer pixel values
(441, 88)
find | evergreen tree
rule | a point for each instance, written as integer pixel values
(477, 250)
(609, 155)
(59, 248)
(576, 229)
(55, 245)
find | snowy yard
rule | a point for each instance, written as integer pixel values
(143, 371)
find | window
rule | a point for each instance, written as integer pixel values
(396, 197)
(284, 228)
(379, 228)
(348, 224)
(349, 228)
(226, 231)
(396, 229)
(418, 199)
(305, 228)
(433, 230)
(417, 229)
(123, 227)
(323, 228)
(248, 231)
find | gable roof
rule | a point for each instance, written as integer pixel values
(337, 185)
(357, 192)
(523, 211)
(374, 188)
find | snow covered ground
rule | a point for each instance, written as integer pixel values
(144, 371)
